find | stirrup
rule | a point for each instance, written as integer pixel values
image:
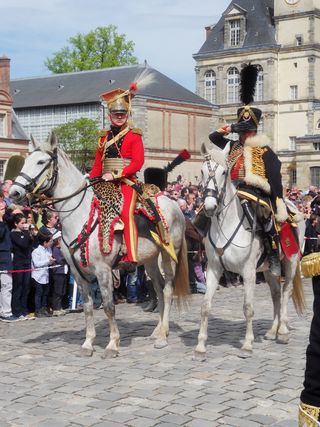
(308, 415)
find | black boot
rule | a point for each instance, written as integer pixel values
(272, 249)
(153, 301)
(202, 222)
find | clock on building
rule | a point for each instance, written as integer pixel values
(292, 1)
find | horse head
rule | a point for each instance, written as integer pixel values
(214, 174)
(39, 173)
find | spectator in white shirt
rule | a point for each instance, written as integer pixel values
(42, 257)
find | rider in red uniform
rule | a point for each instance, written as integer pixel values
(120, 155)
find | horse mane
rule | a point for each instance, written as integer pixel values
(218, 156)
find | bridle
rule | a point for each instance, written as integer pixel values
(219, 195)
(33, 188)
(41, 196)
(214, 192)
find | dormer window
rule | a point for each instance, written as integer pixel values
(235, 32)
(235, 18)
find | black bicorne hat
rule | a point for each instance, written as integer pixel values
(247, 114)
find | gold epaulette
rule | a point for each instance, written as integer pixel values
(103, 132)
(137, 130)
(101, 142)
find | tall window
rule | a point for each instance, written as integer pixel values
(292, 177)
(294, 92)
(235, 32)
(2, 118)
(233, 85)
(292, 143)
(315, 176)
(260, 85)
(210, 86)
(2, 164)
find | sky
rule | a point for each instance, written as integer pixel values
(166, 33)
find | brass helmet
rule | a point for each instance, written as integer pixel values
(117, 100)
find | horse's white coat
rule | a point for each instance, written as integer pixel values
(240, 257)
(70, 180)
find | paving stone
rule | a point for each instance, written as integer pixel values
(45, 383)
(262, 419)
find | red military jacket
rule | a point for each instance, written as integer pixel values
(131, 148)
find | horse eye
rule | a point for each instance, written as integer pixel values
(41, 162)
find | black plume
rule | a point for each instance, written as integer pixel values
(248, 80)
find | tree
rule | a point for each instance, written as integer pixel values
(79, 140)
(101, 48)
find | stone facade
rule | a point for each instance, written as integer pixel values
(283, 38)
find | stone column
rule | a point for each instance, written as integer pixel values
(220, 85)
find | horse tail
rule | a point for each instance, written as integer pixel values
(298, 297)
(181, 278)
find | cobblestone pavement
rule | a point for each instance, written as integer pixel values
(44, 382)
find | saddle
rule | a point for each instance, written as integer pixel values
(263, 208)
(105, 212)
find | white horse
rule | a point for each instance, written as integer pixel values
(230, 244)
(48, 171)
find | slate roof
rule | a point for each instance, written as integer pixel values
(260, 28)
(17, 130)
(86, 86)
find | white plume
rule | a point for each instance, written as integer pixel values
(144, 79)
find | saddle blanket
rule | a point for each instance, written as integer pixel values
(106, 207)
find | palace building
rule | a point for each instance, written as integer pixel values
(172, 118)
(282, 37)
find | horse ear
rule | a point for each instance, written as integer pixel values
(34, 143)
(53, 140)
(203, 149)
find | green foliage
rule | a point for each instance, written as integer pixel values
(14, 166)
(79, 139)
(101, 48)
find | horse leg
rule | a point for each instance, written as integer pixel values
(87, 347)
(275, 290)
(161, 331)
(249, 280)
(106, 287)
(213, 275)
(290, 269)
(168, 267)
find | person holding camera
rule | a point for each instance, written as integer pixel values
(22, 245)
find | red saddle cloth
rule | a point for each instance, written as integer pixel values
(288, 240)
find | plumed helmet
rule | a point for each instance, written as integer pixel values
(247, 114)
(159, 176)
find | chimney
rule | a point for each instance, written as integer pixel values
(209, 30)
(5, 74)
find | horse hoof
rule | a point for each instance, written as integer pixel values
(245, 353)
(282, 339)
(199, 356)
(110, 354)
(86, 352)
(160, 343)
(270, 336)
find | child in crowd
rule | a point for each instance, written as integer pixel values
(22, 245)
(5, 264)
(42, 257)
(59, 276)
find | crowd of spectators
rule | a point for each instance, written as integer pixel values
(30, 242)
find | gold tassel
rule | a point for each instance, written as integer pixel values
(310, 265)
(308, 415)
